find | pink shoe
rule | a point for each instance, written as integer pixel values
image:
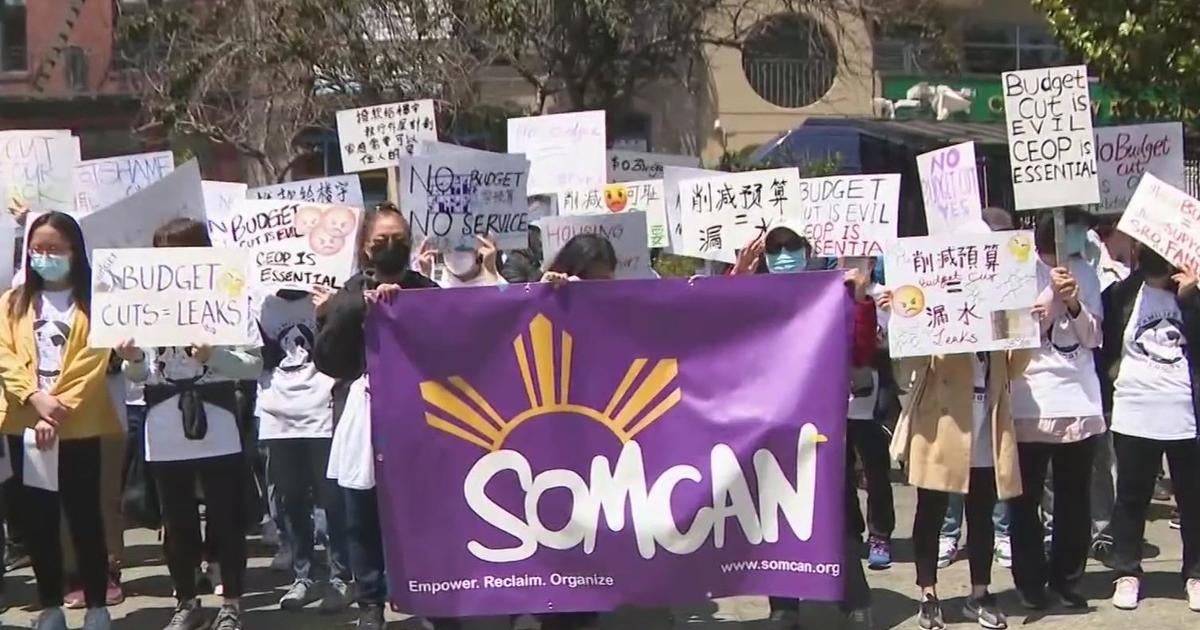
(114, 594)
(75, 600)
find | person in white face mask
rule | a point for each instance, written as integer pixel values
(462, 266)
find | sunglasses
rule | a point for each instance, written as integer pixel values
(790, 244)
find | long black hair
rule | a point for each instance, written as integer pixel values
(79, 276)
(583, 252)
(182, 232)
(368, 223)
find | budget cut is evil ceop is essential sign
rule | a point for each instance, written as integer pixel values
(551, 456)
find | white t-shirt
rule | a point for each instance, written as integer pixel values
(165, 441)
(981, 425)
(1061, 381)
(294, 399)
(451, 281)
(1152, 395)
(51, 329)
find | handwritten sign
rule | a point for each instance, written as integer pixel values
(565, 151)
(1166, 220)
(219, 201)
(339, 190)
(1124, 154)
(1051, 146)
(850, 215)
(296, 245)
(380, 135)
(722, 214)
(172, 296)
(966, 292)
(672, 177)
(132, 221)
(452, 197)
(626, 231)
(629, 166)
(950, 186)
(640, 196)
(37, 169)
(101, 182)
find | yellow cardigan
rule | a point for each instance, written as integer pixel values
(82, 385)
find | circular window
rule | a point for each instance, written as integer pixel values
(790, 60)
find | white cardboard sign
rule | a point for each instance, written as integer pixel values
(1125, 153)
(296, 245)
(37, 169)
(640, 196)
(626, 231)
(950, 187)
(452, 197)
(101, 182)
(850, 215)
(219, 201)
(339, 190)
(722, 214)
(1166, 220)
(380, 136)
(132, 221)
(565, 151)
(631, 166)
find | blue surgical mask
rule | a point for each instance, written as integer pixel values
(51, 267)
(1076, 240)
(787, 261)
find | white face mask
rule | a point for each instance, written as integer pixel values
(461, 263)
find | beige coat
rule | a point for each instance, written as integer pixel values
(933, 435)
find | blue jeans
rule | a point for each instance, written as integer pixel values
(952, 525)
(296, 468)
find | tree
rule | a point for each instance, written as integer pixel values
(1145, 50)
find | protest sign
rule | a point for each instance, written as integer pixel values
(219, 200)
(379, 136)
(850, 215)
(8, 247)
(950, 187)
(640, 196)
(172, 296)
(132, 221)
(1051, 147)
(629, 166)
(452, 197)
(433, 148)
(626, 231)
(1124, 154)
(37, 170)
(651, 504)
(565, 151)
(101, 182)
(672, 176)
(296, 245)
(722, 214)
(966, 292)
(339, 190)
(1166, 220)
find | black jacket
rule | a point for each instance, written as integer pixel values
(340, 347)
(1119, 299)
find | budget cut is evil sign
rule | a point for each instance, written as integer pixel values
(552, 456)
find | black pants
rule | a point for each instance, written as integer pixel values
(223, 481)
(927, 524)
(1137, 469)
(40, 513)
(869, 442)
(1071, 479)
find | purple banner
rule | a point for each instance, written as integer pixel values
(649, 442)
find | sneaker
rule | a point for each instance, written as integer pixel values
(860, 619)
(1070, 597)
(1003, 551)
(880, 555)
(188, 616)
(1125, 595)
(50, 619)
(1162, 489)
(1193, 594)
(114, 593)
(15, 558)
(929, 617)
(986, 611)
(370, 618)
(229, 618)
(337, 597)
(97, 619)
(947, 550)
(299, 595)
(1175, 522)
(75, 599)
(212, 572)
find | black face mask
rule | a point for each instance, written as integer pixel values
(391, 257)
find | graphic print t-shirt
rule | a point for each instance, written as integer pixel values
(165, 440)
(294, 399)
(1153, 390)
(51, 329)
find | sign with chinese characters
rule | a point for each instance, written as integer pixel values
(721, 214)
(641, 196)
(132, 221)
(1124, 154)
(339, 190)
(219, 201)
(1051, 146)
(101, 182)
(950, 187)
(380, 135)
(629, 166)
(172, 296)
(453, 197)
(966, 292)
(626, 231)
(296, 245)
(850, 215)
(1166, 220)
(37, 170)
(565, 151)
(673, 202)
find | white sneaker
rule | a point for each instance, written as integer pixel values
(1003, 551)
(947, 550)
(1125, 596)
(97, 619)
(50, 619)
(1193, 593)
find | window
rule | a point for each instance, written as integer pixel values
(790, 60)
(14, 53)
(995, 48)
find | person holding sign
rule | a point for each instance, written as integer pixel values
(1150, 375)
(56, 409)
(1059, 418)
(193, 436)
(465, 267)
